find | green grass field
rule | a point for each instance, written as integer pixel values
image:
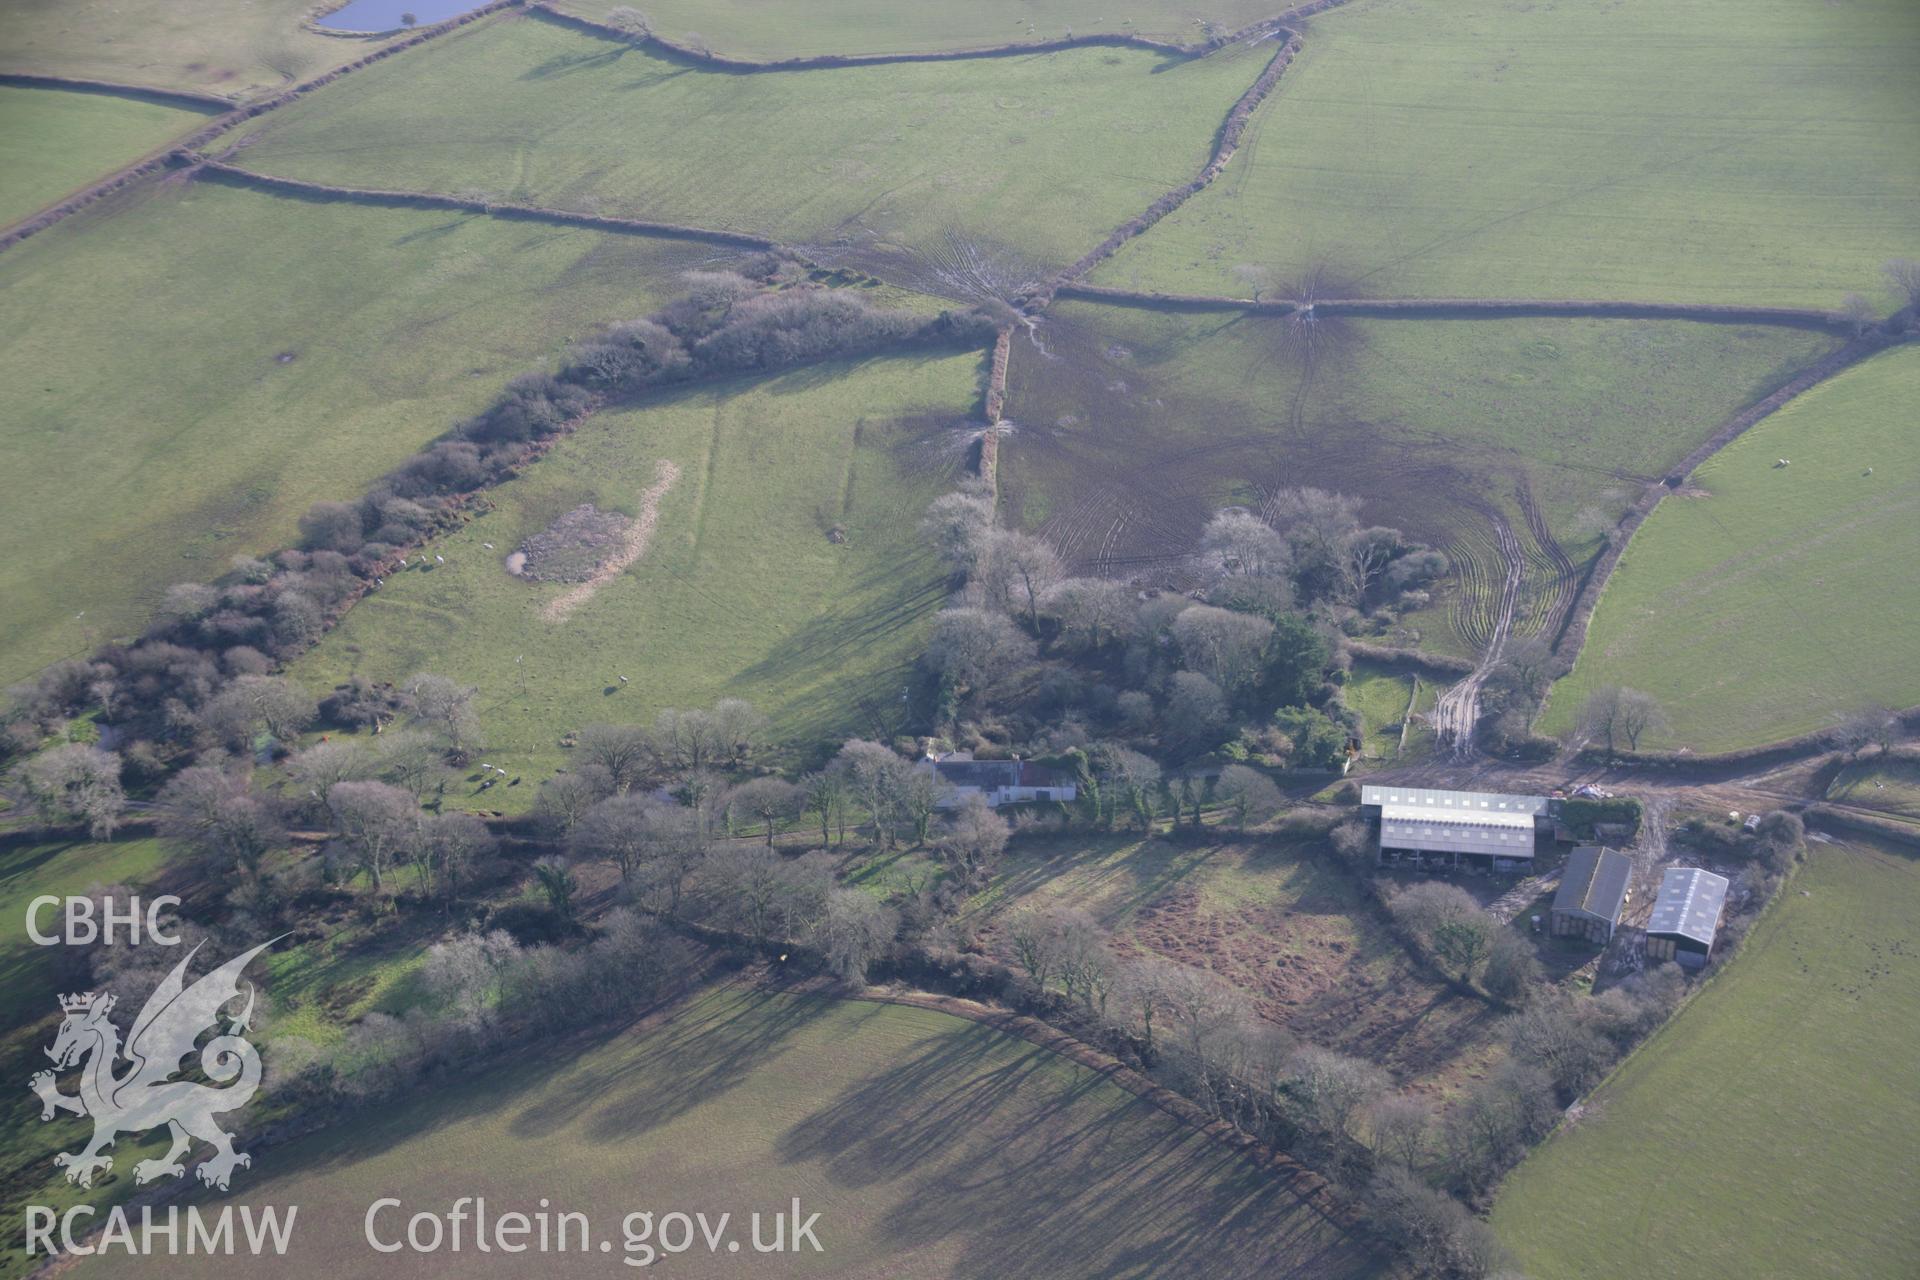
(190, 366)
(53, 143)
(1727, 151)
(238, 48)
(1782, 601)
(1892, 786)
(1385, 699)
(1770, 1128)
(776, 29)
(1135, 425)
(31, 978)
(29, 870)
(742, 593)
(1034, 157)
(929, 1146)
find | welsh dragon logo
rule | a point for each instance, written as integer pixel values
(146, 1096)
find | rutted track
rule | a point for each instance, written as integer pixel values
(1458, 709)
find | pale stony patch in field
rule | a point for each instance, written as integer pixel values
(633, 545)
(572, 548)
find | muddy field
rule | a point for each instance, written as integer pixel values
(1513, 445)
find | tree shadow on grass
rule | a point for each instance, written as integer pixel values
(702, 1055)
(1040, 1168)
(1143, 869)
(568, 63)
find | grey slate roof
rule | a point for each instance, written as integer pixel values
(988, 774)
(1595, 883)
(985, 774)
(1689, 904)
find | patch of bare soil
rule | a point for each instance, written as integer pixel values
(633, 542)
(1130, 498)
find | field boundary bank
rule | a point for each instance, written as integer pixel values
(221, 171)
(987, 462)
(1438, 667)
(1732, 765)
(157, 160)
(1460, 308)
(114, 89)
(1571, 637)
(1226, 143)
(1853, 822)
(715, 61)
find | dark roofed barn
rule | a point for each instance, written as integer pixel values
(1686, 916)
(1593, 893)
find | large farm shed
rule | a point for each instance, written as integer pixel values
(1593, 892)
(1481, 831)
(1685, 916)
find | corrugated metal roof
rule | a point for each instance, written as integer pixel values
(1595, 883)
(1456, 817)
(1430, 802)
(1689, 904)
(1455, 836)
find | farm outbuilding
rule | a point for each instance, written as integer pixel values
(1685, 916)
(1447, 830)
(1593, 892)
(997, 782)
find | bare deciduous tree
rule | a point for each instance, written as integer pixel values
(974, 838)
(218, 817)
(630, 21)
(1237, 543)
(1250, 794)
(1613, 713)
(252, 704)
(1018, 570)
(1904, 275)
(957, 526)
(76, 783)
(854, 931)
(375, 825)
(624, 751)
(1091, 612)
(773, 802)
(445, 708)
(827, 794)
(1400, 1125)
(1222, 645)
(1331, 1089)
(1856, 313)
(976, 649)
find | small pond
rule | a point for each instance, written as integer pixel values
(385, 15)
